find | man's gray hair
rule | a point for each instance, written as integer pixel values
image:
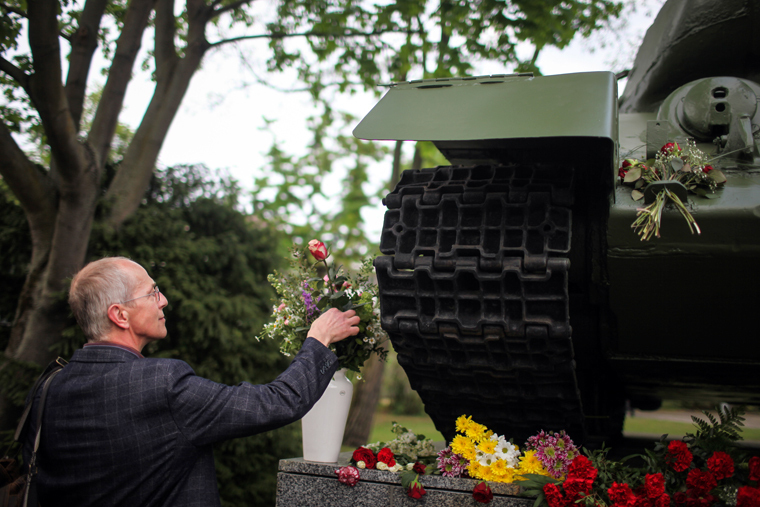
(97, 286)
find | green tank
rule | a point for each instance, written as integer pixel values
(512, 284)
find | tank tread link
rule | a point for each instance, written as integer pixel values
(474, 292)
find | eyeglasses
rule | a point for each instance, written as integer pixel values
(156, 293)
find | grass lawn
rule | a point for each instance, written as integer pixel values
(641, 425)
(422, 425)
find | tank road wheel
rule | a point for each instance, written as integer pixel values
(474, 295)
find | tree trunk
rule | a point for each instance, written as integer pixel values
(364, 404)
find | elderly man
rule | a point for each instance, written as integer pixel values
(122, 430)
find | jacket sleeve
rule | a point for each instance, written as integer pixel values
(206, 412)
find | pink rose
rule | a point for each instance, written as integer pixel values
(318, 250)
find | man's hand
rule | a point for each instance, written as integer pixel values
(334, 325)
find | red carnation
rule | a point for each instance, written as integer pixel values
(747, 496)
(348, 475)
(678, 456)
(700, 482)
(482, 493)
(576, 487)
(582, 468)
(669, 147)
(386, 456)
(754, 468)
(721, 465)
(365, 455)
(679, 498)
(554, 496)
(318, 250)
(654, 485)
(662, 501)
(621, 495)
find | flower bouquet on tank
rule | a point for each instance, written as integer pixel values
(313, 286)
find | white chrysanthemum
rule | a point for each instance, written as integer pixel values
(485, 459)
(506, 451)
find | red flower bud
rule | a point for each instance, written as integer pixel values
(482, 493)
(707, 169)
(627, 163)
(416, 490)
(669, 147)
(318, 250)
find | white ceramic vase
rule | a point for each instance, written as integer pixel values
(323, 426)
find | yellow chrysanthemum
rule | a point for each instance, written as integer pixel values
(477, 432)
(530, 464)
(475, 470)
(487, 446)
(464, 446)
(463, 422)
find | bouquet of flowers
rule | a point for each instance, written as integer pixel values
(492, 457)
(688, 166)
(476, 453)
(313, 287)
(702, 470)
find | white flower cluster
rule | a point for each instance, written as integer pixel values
(504, 450)
(406, 443)
(382, 466)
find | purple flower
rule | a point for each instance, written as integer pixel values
(311, 308)
(451, 464)
(555, 451)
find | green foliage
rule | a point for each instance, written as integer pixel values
(15, 254)
(716, 434)
(297, 193)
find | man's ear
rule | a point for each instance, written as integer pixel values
(119, 316)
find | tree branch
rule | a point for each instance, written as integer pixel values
(110, 105)
(312, 34)
(165, 52)
(228, 7)
(18, 75)
(131, 180)
(28, 183)
(46, 89)
(84, 42)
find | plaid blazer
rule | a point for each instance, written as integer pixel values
(123, 431)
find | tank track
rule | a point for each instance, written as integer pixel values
(474, 295)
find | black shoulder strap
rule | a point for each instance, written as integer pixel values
(51, 369)
(30, 495)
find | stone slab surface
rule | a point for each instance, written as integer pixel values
(315, 484)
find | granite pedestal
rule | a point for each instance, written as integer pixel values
(302, 483)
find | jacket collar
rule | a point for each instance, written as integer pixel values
(102, 353)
